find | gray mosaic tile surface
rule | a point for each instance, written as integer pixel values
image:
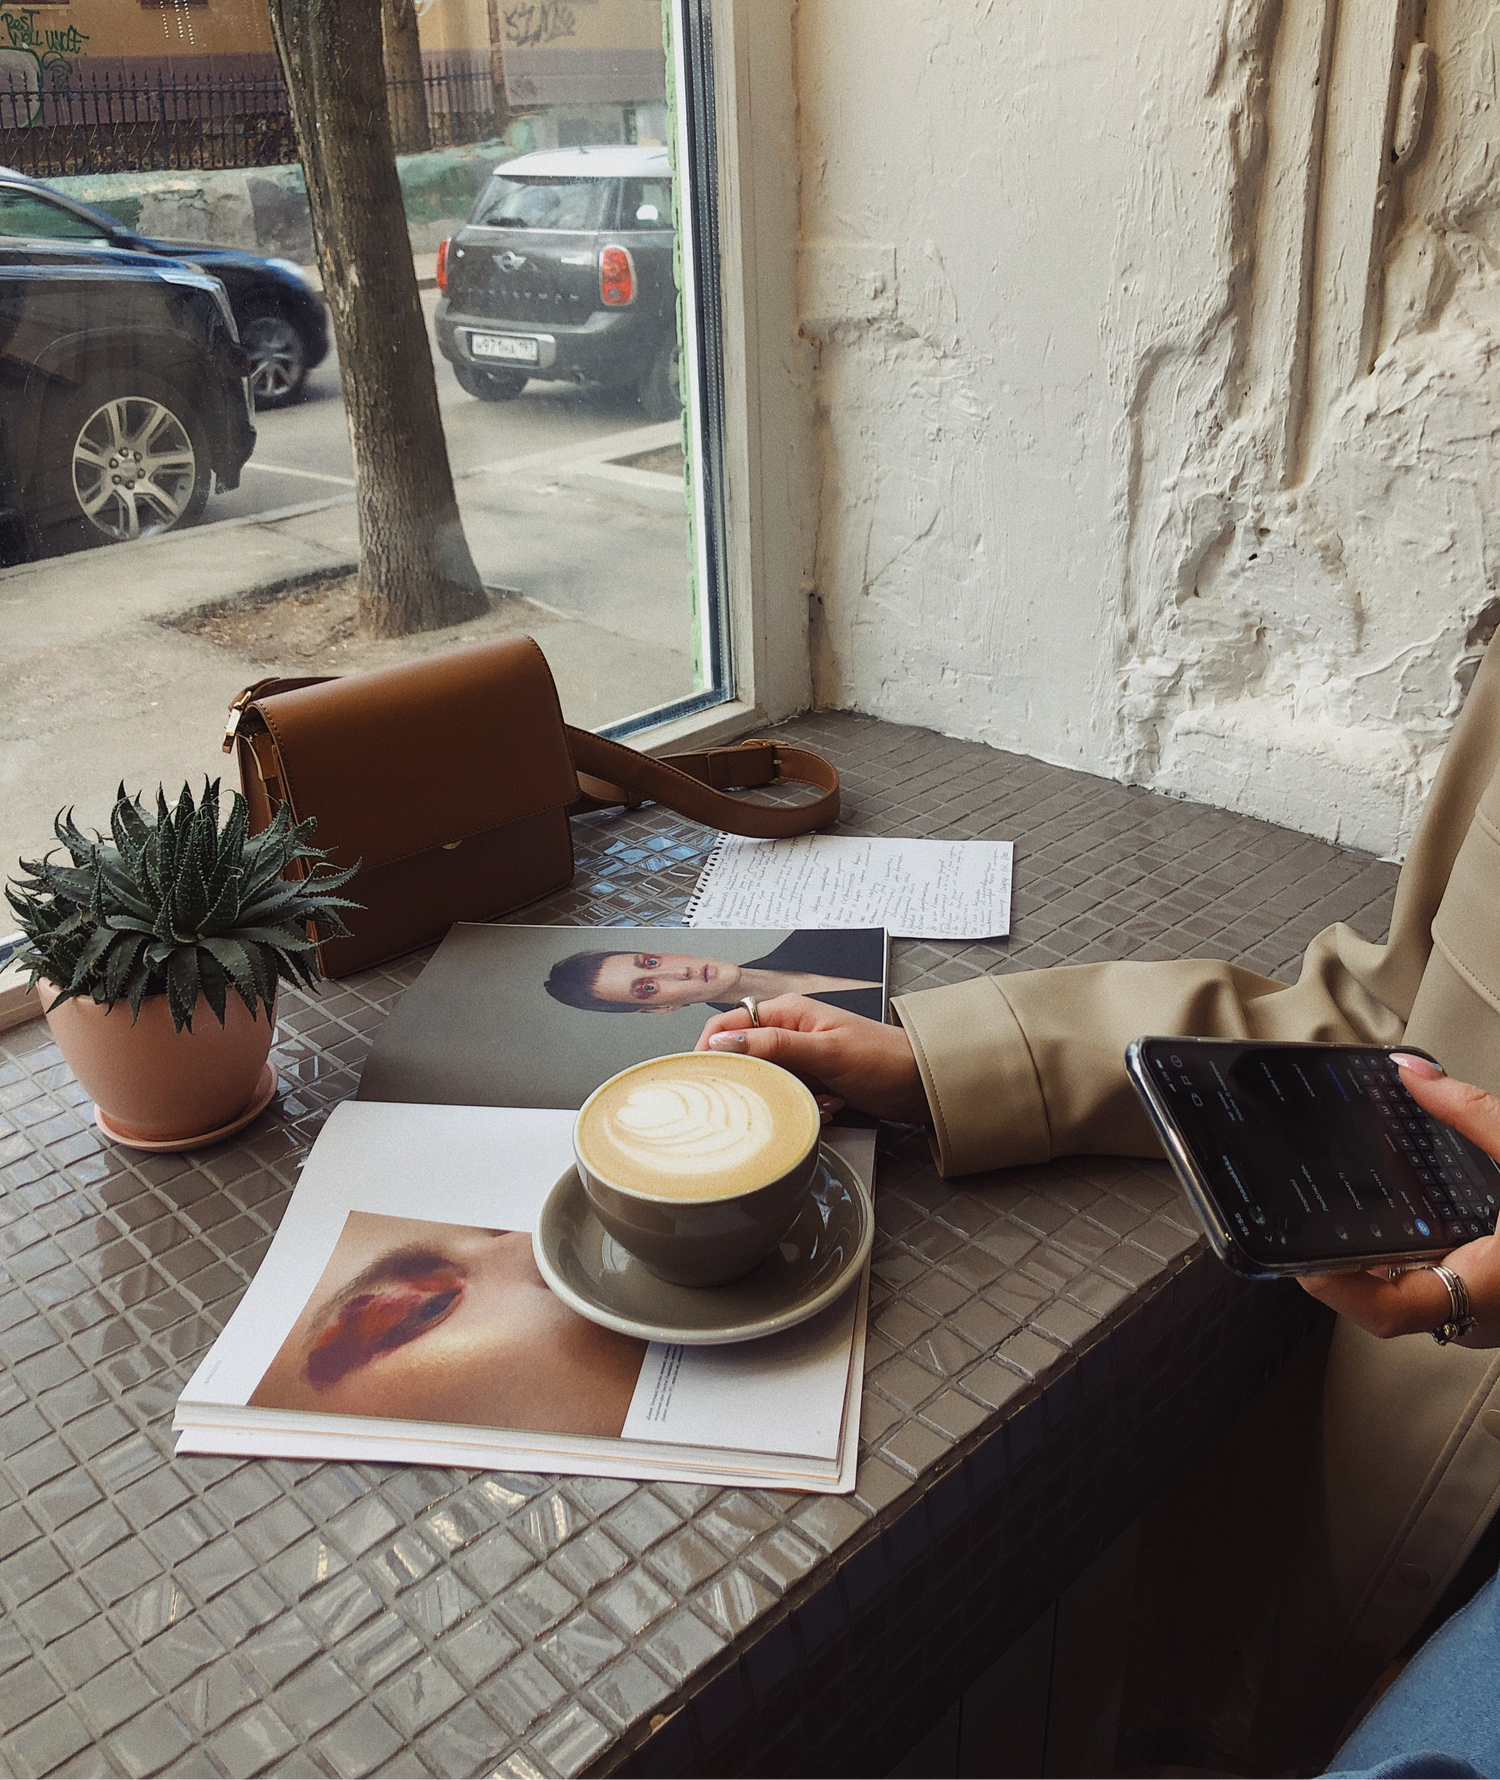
(211, 1616)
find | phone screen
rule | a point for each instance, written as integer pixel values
(1317, 1151)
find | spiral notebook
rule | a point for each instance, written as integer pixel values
(913, 889)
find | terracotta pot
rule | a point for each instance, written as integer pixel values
(156, 1086)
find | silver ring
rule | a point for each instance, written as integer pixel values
(1463, 1319)
(751, 1006)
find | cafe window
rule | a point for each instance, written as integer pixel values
(559, 172)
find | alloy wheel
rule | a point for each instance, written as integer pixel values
(276, 359)
(134, 468)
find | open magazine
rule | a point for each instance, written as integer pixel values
(507, 1015)
(399, 1315)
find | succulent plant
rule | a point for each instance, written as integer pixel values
(177, 904)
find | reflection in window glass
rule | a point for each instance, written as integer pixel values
(29, 217)
(542, 152)
(543, 203)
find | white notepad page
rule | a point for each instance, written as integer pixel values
(914, 889)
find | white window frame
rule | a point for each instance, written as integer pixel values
(769, 459)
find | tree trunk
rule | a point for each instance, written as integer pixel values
(403, 72)
(415, 570)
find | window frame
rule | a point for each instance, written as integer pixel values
(766, 464)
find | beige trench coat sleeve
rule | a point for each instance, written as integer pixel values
(1029, 1065)
(1026, 1066)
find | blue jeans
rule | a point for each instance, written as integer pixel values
(1442, 1714)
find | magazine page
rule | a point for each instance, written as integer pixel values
(371, 1332)
(539, 1016)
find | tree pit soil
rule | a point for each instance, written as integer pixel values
(310, 625)
(666, 460)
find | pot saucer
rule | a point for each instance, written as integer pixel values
(265, 1092)
(817, 1259)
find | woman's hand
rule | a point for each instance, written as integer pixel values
(857, 1061)
(1419, 1300)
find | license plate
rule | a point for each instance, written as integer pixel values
(511, 346)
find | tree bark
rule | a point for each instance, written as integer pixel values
(403, 69)
(415, 570)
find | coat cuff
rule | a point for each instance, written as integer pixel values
(977, 1071)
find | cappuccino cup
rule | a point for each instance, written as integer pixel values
(699, 1163)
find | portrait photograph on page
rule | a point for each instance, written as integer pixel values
(539, 1016)
(426, 1322)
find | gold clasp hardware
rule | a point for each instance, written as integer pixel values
(237, 711)
(448, 846)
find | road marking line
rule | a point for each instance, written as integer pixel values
(307, 475)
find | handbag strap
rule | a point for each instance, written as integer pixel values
(610, 774)
(695, 784)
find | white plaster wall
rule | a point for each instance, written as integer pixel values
(1157, 398)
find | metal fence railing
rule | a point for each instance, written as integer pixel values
(121, 123)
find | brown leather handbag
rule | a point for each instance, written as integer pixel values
(452, 779)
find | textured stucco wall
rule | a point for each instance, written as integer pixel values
(1156, 378)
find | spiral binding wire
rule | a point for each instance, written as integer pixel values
(705, 877)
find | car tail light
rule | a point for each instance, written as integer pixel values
(616, 277)
(442, 265)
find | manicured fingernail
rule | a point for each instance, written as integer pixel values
(727, 1041)
(829, 1104)
(1422, 1066)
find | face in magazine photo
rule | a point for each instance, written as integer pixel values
(826, 964)
(420, 1321)
(507, 1015)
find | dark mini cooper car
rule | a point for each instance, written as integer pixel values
(281, 318)
(564, 269)
(123, 395)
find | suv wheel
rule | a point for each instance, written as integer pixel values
(126, 456)
(278, 359)
(490, 386)
(660, 392)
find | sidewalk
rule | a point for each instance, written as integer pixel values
(98, 687)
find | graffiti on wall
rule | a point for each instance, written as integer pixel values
(537, 22)
(34, 60)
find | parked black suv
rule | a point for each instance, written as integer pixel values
(124, 395)
(281, 318)
(564, 269)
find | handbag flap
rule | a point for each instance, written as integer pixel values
(424, 754)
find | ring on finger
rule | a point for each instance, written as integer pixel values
(751, 1005)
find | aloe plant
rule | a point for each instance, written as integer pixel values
(177, 903)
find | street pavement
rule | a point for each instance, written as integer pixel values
(95, 687)
(302, 452)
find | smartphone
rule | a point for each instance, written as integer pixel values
(1311, 1158)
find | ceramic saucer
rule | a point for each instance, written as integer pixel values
(265, 1091)
(816, 1260)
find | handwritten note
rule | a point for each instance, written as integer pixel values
(914, 889)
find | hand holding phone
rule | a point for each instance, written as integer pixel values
(1313, 1159)
(1417, 1300)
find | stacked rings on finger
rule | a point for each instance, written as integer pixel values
(1462, 1319)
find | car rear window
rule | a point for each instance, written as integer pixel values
(646, 204)
(542, 203)
(29, 216)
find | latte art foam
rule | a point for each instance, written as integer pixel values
(697, 1126)
(690, 1127)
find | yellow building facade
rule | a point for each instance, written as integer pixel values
(108, 36)
(546, 51)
